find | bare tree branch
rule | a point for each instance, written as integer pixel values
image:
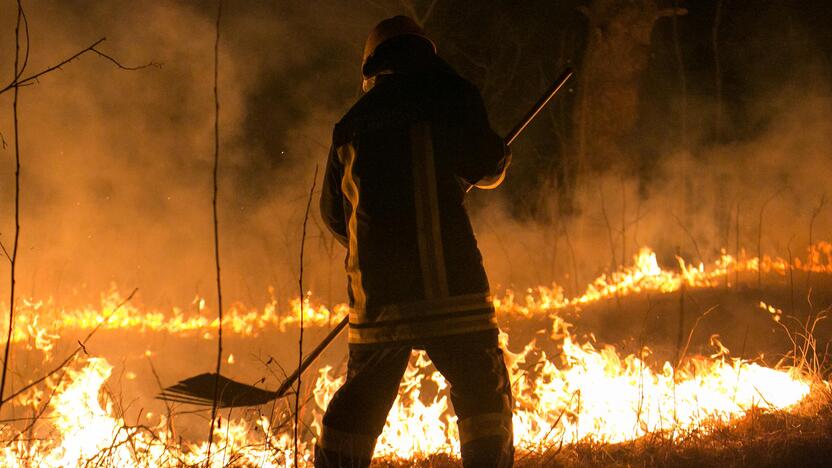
(5, 252)
(610, 235)
(690, 236)
(815, 214)
(122, 66)
(26, 35)
(216, 229)
(717, 69)
(760, 237)
(683, 85)
(32, 79)
(15, 85)
(737, 249)
(302, 295)
(13, 258)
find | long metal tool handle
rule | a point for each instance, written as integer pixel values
(538, 106)
(512, 135)
(310, 358)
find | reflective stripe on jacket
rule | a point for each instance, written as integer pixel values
(393, 195)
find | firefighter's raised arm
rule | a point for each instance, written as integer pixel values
(483, 158)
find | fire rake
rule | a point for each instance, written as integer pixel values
(199, 390)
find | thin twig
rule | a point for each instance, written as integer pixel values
(690, 335)
(690, 236)
(717, 69)
(81, 347)
(169, 409)
(227, 436)
(609, 229)
(739, 364)
(641, 356)
(5, 252)
(39, 414)
(267, 441)
(760, 238)
(32, 79)
(677, 49)
(623, 221)
(13, 260)
(302, 296)
(552, 427)
(815, 214)
(553, 262)
(737, 250)
(25, 24)
(216, 231)
(122, 66)
(272, 360)
(572, 260)
(791, 273)
(679, 332)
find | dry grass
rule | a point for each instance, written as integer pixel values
(761, 439)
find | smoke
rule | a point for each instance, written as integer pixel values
(117, 165)
(771, 187)
(116, 184)
(763, 184)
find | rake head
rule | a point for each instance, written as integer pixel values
(199, 390)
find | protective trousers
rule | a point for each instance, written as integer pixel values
(480, 394)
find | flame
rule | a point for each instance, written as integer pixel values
(645, 275)
(583, 393)
(590, 395)
(602, 397)
(83, 431)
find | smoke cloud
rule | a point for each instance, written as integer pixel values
(116, 184)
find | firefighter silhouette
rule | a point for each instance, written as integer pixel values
(401, 160)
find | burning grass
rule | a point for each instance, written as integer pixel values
(760, 438)
(578, 403)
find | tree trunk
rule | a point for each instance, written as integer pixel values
(617, 51)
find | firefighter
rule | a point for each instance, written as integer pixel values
(393, 195)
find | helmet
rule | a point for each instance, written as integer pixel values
(390, 28)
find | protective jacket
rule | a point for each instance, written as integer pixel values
(393, 194)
